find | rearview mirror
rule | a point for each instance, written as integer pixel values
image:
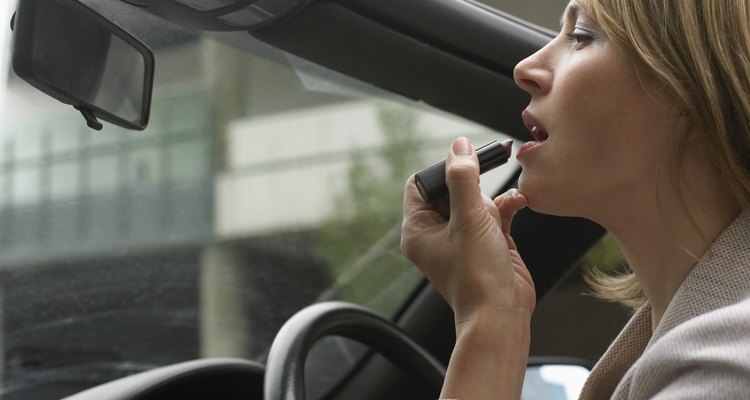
(70, 52)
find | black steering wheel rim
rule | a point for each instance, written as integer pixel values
(285, 368)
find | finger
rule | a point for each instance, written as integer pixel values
(413, 201)
(409, 199)
(508, 204)
(462, 178)
(490, 206)
(418, 214)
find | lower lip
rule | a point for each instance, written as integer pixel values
(528, 147)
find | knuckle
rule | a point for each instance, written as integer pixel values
(405, 248)
(461, 172)
(408, 248)
(504, 198)
(409, 181)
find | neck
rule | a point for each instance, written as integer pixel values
(663, 251)
(663, 237)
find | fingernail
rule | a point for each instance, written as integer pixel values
(462, 147)
(514, 193)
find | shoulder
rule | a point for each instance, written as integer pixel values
(705, 357)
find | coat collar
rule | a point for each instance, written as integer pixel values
(621, 354)
(720, 278)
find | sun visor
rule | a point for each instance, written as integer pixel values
(221, 15)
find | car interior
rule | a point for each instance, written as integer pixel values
(214, 211)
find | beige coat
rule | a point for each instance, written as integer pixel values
(701, 347)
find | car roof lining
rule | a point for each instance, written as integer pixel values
(465, 70)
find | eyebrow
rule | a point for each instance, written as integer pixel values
(571, 12)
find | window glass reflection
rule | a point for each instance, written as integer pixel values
(26, 186)
(251, 194)
(65, 180)
(144, 168)
(103, 174)
(188, 161)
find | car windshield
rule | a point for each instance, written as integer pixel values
(263, 183)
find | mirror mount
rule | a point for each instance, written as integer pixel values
(90, 118)
(75, 55)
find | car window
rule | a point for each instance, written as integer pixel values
(264, 183)
(570, 321)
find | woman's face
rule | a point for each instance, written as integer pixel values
(599, 135)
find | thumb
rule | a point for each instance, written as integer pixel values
(462, 178)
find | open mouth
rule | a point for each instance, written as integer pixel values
(535, 127)
(538, 133)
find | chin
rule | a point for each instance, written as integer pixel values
(543, 199)
(543, 207)
(533, 190)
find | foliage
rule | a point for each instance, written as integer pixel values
(360, 244)
(605, 256)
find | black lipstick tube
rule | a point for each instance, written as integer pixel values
(431, 181)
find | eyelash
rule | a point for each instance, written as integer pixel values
(579, 39)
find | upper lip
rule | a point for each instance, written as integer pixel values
(537, 130)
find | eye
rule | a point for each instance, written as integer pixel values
(580, 39)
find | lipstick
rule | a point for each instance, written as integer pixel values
(431, 181)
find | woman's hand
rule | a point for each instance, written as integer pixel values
(463, 246)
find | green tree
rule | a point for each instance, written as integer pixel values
(360, 244)
(605, 256)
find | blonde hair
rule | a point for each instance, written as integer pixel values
(698, 52)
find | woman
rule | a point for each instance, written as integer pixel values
(640, 114)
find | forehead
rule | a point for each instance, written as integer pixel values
(576, 9)
(570, 13)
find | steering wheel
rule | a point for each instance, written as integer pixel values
(285, 368)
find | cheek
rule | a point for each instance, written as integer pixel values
(581, 181)
(621, 130)
(608, 144)
(608, 137)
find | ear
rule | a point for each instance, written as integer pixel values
(685, 126)
(692, 132)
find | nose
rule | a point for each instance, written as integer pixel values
(534, 73)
